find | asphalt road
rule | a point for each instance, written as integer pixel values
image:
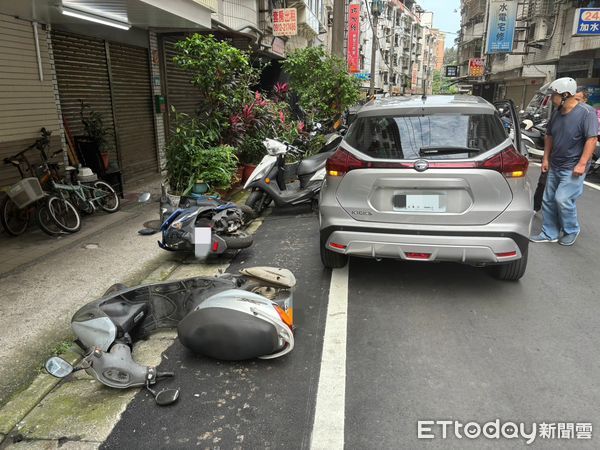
(422, 342)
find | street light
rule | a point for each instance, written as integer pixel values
(376, 8)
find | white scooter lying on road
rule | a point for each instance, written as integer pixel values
(231, 317)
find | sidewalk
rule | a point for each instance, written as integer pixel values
(41, 291)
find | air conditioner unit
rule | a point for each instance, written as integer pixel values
(540, 32)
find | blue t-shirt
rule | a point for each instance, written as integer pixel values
(569, 133)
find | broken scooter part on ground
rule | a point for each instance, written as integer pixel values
(230, 317)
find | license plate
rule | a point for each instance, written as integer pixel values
(420, 202)
(202, 241)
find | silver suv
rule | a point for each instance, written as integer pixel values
(432, 178)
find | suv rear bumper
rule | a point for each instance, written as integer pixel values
(469, 248)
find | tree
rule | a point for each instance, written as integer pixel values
(441, 84)
(450, 56)
(322, 83)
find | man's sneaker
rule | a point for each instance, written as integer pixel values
(568, 239)
(542, 238)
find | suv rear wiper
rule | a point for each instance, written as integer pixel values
(446, 150)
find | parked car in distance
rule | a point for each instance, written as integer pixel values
(432, 178)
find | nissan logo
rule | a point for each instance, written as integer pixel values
(421, 165)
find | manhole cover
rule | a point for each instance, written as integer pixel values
(91, 246)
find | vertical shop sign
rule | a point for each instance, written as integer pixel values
(353, 37)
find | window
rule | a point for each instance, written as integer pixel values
(402, 137)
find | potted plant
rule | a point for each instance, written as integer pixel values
(94, 142)
(192, 159)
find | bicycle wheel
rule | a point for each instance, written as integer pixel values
(64, 214)
(84, 206)
(106, 196)
(46, 222)
(14, 220)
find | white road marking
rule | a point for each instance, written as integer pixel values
(587, 183)
(328, 427)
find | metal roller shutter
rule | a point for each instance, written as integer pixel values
(179, 91)
(82, 74)
(132, 101)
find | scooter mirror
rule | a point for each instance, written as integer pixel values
(166, 397)
(58, 367)
(144, 197)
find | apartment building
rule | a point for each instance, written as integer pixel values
(545, 45)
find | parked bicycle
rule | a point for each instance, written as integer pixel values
(26, 199)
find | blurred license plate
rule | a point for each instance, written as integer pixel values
(420, 203)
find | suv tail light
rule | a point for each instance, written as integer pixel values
(508, 162)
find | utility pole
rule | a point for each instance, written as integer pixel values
(339, 23)
(376, 6)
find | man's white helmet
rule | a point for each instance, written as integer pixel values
(562, 86)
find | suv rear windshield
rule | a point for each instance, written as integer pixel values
(432, 136)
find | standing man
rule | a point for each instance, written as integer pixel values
(571, 137)
(582, 97)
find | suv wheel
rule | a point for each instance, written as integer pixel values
(330, 259)
(511, 271)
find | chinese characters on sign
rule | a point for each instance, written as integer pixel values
(451, 71)
(501, 28)
(353, 37)
(587, 22)
(285, 22)
(476, 67)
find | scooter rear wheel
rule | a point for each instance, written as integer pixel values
(238, 241)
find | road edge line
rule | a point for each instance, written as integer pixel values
(328, 425)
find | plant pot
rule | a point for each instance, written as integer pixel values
(105, 159)
(200, 188)
(174, 199)
(248, 169)
(239, 175)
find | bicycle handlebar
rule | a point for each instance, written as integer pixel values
(40, 144)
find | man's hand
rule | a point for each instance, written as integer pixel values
(545, 165)
(579, 169)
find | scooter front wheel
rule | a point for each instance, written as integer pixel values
(258, 201)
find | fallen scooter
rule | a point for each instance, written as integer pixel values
(268, 181)
(231, 317)
(204, 225)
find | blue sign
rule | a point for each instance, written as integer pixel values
(363, 76)
(587, 22)
(501, 26)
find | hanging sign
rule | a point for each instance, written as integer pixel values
(353, 37)
(502, 17)
(586, 22)
(451, 71)
(476, 67)
(285, 22)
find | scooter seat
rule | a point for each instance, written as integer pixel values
(312, 164)
(532, 133)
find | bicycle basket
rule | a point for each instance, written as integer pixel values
(25, 192)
